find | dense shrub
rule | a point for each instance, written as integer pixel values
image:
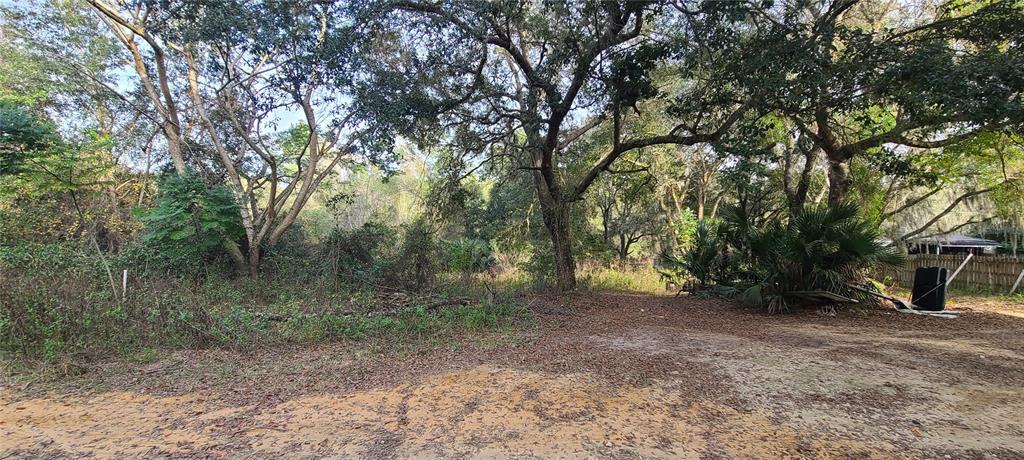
(360, 255)
(294, 260)
(376, 255)
(708, 259)
(820, 248)
(469, 255)
(191, 220)
(417, 261)
(540, 264)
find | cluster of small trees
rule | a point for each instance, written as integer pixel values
(620, 121)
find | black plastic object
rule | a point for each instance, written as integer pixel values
(929, 289)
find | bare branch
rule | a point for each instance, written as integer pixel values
(912, 202)
(580, 131)
(952, 205)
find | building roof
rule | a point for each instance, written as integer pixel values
(954, 240)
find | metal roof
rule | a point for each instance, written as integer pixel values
(958, 241)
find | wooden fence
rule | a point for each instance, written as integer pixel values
(993, 273)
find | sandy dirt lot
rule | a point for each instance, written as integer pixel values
(597, 376)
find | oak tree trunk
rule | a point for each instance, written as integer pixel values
(839, 181)
(556, 219)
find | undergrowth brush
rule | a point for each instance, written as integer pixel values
(56, 305)
(643, 280)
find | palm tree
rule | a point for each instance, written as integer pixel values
(822, 248)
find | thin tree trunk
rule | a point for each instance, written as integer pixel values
(96, 246)
(701, 199)
(605, 218)
(718, 203)
(149, 167)
(797, 196)
(824, 190)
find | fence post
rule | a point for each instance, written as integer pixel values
(1017, 283)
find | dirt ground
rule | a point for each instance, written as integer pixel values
(597, 376)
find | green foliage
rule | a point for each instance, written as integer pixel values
(77, 168)
(821, 248)
(56, 305)
(628, 212)
(540, 263)
(360, 255)
(373, 257)
(38, 160)
(684, 229)
(705, 260)
(417, 259)
(705, 257)
(469, 255)
(408, 257)
(191, 218)
(491, 138)
(52, 188)
(23, 133)
(512, 223)
(55, 54)
(457, 198)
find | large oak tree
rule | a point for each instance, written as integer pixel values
(525, 81)
(858, 76)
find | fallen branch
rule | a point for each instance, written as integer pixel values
(427, 307)
(406, 306)
(444, 303)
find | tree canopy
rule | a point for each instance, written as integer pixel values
(548, 131)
